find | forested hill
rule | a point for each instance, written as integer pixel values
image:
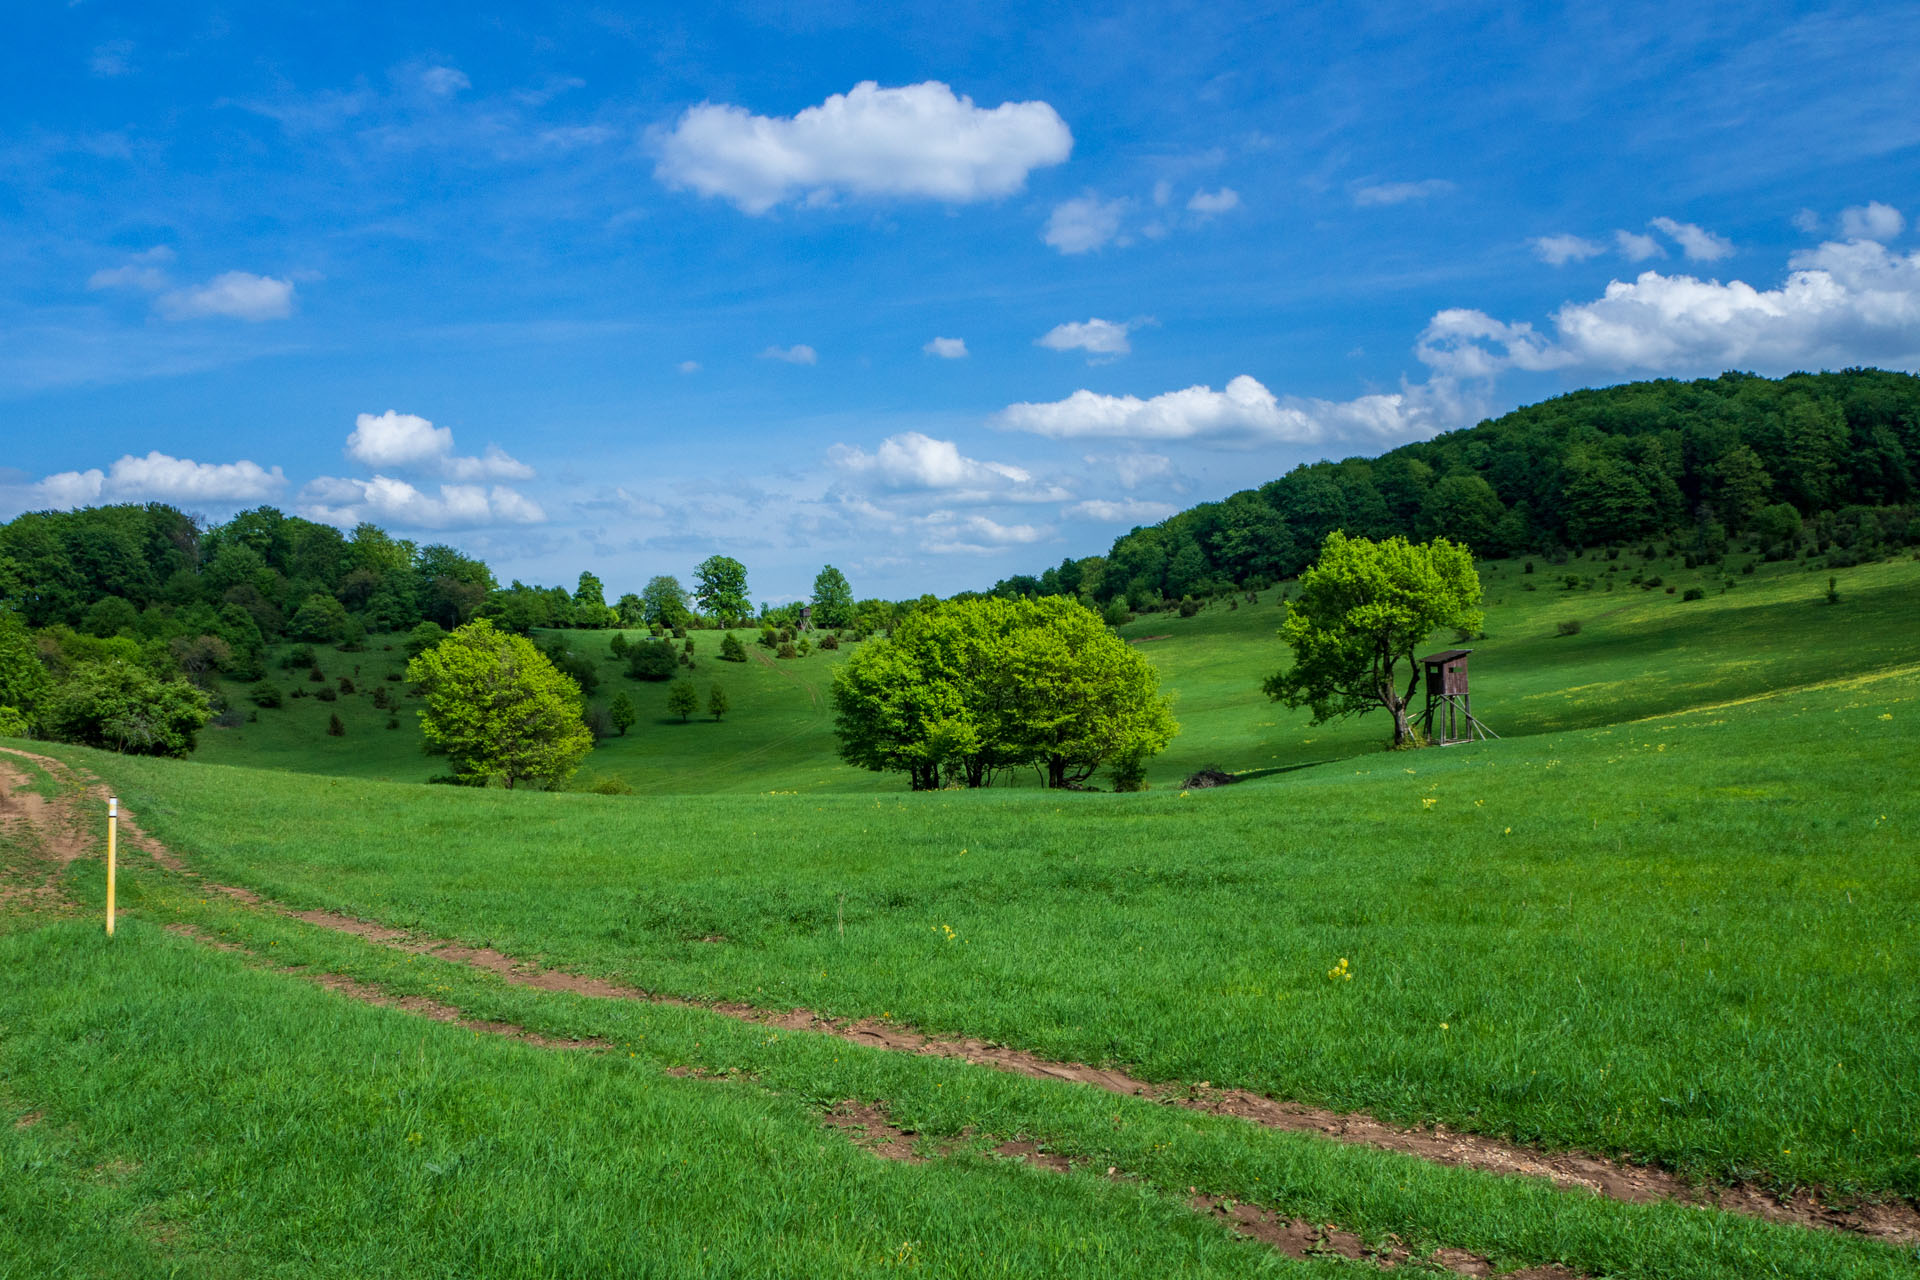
(1830, 457)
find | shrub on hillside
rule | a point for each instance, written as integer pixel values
(315, 675)
(682, 701)
(1129, 771)
(346, 687)
(1695, 593)
(336, 728)
(325, 693)
(829, 641)
(786, 651)
(301, 655)
(731, 650)
(1570, 627)
(266, 694)
(121, 707)
(652, 660)
(1188, 606)
(424, 637)
(618, 645)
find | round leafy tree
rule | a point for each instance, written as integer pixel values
(122, 707)
(499, 708)
(652, 660)
(682, 701)
(1364, 607)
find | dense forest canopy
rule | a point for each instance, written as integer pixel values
(1739, 456)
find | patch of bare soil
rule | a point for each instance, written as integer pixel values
(1894, 1221)
(872, 1129)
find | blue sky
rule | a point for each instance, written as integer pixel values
(934, 293)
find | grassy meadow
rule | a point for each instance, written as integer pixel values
(1669, 917)
(1638, 652)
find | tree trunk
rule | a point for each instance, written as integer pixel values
(1056, 772)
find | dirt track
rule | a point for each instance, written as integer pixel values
(1895, 1222)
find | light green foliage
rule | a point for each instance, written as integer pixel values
(22, 678)
(969, 688)
(664, 602)
(122, 707)
(1363, 608)
(13, 722)
(682, 701)
(621, 713)
(500, 710)
(717, 702)
(720, 585)
(832, 599)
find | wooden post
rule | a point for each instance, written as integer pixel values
(113, 829)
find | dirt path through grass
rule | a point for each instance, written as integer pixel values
(1894, 1222)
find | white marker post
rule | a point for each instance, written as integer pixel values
(113, 829)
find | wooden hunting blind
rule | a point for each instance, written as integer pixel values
(1449, 712)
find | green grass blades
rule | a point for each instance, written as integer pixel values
(1691, 940)
(195, 1117)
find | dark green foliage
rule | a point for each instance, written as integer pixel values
(731, 650)
(346, 687)
(652, 660)
(769, 638)
(618, 645)
(1129, 771)
(829, 641)
(1683, 461)
(786, 650)
(336, 728)
(717, 704)
(298, 658)
(584, 670)
(1694, 593)
(620, 713)
(1188, 606)
(424, 637)
(315, 675)
(266, 694)
(1568, 627)
(1833, 591)
(326, 693)
(682, 701)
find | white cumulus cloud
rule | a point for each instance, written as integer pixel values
(1557, 251)
(1699, 244)
(1874, 221)
(798, 353)
(408, 442)
(1095, 336)
(1244, 414)
(1084, 224)
(1841, 304)
(981, 534)
(389, 501)
(159, 477)
(947, 348)
(920, 140)
(143, 271)
(237, 295)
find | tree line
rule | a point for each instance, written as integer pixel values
(1829, 459)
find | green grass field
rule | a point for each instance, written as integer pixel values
(1638, 652)
(1669, 917)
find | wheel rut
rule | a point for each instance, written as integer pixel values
(1895, 1222)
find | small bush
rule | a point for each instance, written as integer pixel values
(680, 633)
(1128, 772)
(829, 641)
(1570, 627)
(1670, 590)
(731, 650)
(787, 651)
(266, 694)
(618, 645)
(393, 722)
(346, 687)
(325, 693)
(298, 693)
(769, 638)
(301, 655)
(1833, 591)
(336, 728)
(395, 676)
(1695, 593)
(604, 786)
(1188, 606)
(1527, 567)
(1655, 581)
(652, 660)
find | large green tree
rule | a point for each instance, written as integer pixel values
(501, 711)
(664, 602)
(1364, 608)
(720, 584)
(966, 689)
(832, 599)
